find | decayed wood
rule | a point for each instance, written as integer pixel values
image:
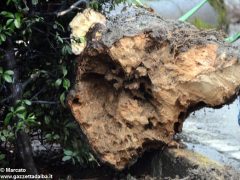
(139, 76)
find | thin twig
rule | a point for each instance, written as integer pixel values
(31, 79)
(7, 99)
(73, 6)
(21, 88)
(44, 102)
(39, 92)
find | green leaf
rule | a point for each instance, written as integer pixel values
(17, 21)
(56, 137)
(66, 158)
(8, 33)
(7, 14)
(2, 157)
(9, 72)
(94, 5)
(9, 22)
(64, 70)
(139, 2)
(8, 118)
(19, 125)
(74, 154)
(66, 50)
(1, 70)
(59, 25)
(59, 38)
(3, 37)
(31, 117)
(12, 109)
(68, 152)
(5, 132)
(3, 138)
(62, 99)
(58, 82)
(18, 15)
(20, 109)
(47, 120)
(66, 84)
(48, 136)
(27, 102)
(34, 2)
(22, 115)
(81, 39)
(71, 125)
(7, 78)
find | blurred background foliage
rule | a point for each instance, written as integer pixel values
(220, 8)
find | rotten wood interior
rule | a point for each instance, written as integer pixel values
(137, 77)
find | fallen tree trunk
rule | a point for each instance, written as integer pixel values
(139, 76)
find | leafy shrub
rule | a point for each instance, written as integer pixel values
(36, 72)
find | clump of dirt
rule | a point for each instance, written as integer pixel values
(137, 78)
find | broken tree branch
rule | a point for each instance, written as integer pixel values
(72, 7)
(139, 76)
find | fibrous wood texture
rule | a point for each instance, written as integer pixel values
(138, 77)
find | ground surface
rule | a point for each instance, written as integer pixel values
(215, 133)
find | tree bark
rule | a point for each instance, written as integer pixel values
(23, 143)
(139, 76)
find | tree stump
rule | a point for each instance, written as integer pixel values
(139, 76)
